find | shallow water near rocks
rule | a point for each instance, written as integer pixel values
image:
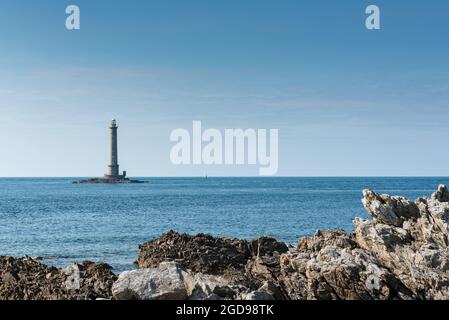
(64, 222)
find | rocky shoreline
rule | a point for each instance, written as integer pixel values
(403, 253)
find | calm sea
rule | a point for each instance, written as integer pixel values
(65, 222)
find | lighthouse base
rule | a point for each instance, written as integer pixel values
(110, 180)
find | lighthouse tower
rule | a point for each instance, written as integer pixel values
(113, 153)
(113, 175)
(113, 167)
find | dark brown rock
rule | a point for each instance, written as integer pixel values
(199, 253)
(27, 279)
(266, 246)
(206, 254)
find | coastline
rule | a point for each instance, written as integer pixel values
(67, 223)
(400, 254)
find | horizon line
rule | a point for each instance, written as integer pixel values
(252, 176)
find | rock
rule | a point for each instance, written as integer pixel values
(200, 286)
(199, 253)
(163, 283)
(258, 295)
(96, 280)
(321, 239)
(205, 254)
(389, 210)
(170, 282)
(28, 279)
(262, 269)
(417, 251)
(433, 224)
(266, 246)
(73, 278)
(225, 291)
(442, 194)
(273, 290)
(10, 277)
(337, 272)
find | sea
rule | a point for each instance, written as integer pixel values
(65, 223)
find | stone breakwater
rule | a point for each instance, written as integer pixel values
(402, 253)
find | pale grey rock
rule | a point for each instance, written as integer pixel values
(433, 225)
(73, 277)
(200, 286)
(258, 296)
(442, 194)
(336, 273)
(417, 251)
(163, 283)
(389, 210)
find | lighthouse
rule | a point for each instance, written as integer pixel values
(113, 168)
(113, 175)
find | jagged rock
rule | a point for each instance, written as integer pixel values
(442, 194)
(337, 270)
(321, 239)
(416, 252)
(433, 225)
(263, 269)
(200, 286)
(163, 283)
(389, 210)
(266, 246)
(27, 279)
(200, 253)
(272, 289)
(217, 256)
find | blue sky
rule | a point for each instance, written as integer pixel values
(347, 101)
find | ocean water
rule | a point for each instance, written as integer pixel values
(65, 222)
